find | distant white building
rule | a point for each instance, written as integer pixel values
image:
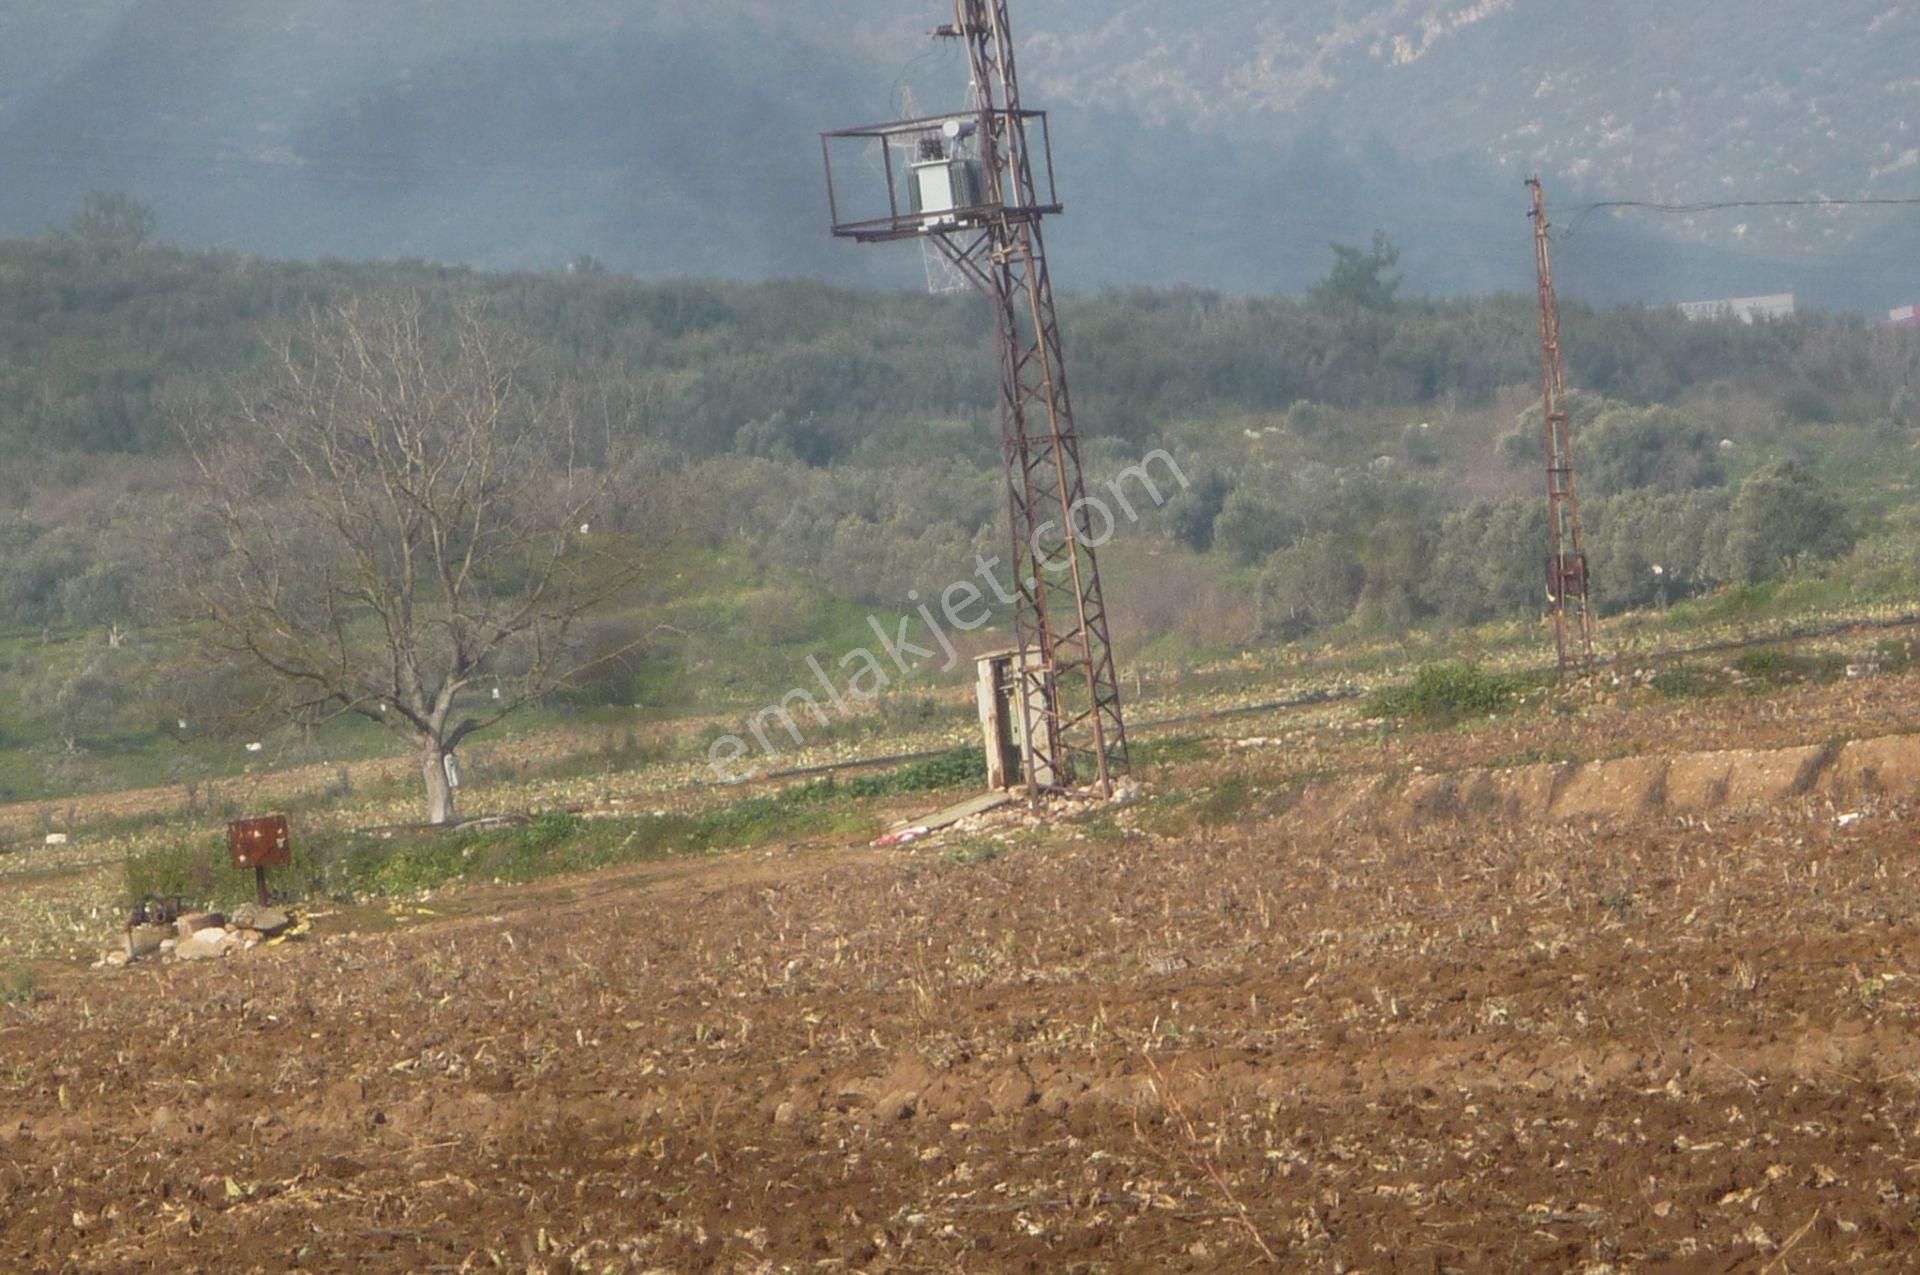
(1745, 309)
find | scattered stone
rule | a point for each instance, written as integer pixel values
(898, 1105)
(1062, 1094)
(785, 1114)
(166, 1122)
(202, 945)
(145, 940)
(1010, 1094)
(194, 922)
(56, 838)
(268, 921)
(114, 958)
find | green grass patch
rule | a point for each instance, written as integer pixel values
(956, 768)
(1228, 801)
(1621, 903)
(821, 808)
(1687, 681)
(362, 865)
(18, 985)
(1172, 750)
(970, 851)
(1893, 655)
(408, 863)
(613, 756)
(1768, 601)
(1447, 692)
(1770, 667)
(1242, 798)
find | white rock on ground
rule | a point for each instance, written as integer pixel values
(201, 945)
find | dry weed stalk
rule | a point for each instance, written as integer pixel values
(1780, 1258)
(1196, 1154)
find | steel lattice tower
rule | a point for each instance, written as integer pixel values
(1566, 554)
(992, 236)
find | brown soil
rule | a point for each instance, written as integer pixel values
(1412, 1044)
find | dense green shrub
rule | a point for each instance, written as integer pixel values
(1628, 448)
(1630, 534)
(1488, 560)
(1311, 420)
(195, 870)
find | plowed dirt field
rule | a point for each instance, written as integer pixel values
(1133, 1042)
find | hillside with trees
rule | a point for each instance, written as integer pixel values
(787, 458)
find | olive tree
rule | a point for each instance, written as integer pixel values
(398, 524)
(1781, 513)
(77, 704)
(1309, 586)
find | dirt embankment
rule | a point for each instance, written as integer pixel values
(1860, 773)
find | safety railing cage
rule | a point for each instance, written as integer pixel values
(926, 176)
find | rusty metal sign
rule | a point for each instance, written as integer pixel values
(260, 843)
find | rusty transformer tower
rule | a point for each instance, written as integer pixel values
(1566, 554)
(975, 185)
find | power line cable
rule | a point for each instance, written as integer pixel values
(1585, 211)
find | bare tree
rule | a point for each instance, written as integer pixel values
(399, 526)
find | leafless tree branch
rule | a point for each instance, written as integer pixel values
(401, 517)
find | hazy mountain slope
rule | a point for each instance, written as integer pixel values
(1674, 100)
(654, 141)
(1707, 100)
(1645, 99)
(1222, 142)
